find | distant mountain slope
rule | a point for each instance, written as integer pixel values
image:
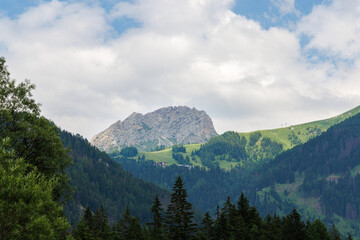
(100, 180)
(260, 145)
(293, 135)
(320, 176)
(165, 126)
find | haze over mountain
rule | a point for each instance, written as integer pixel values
(166, 126)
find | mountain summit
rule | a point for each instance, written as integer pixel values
(165, 126)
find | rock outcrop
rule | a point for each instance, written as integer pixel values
(165, 126)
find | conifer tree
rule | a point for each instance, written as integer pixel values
(334, 233)
(243, 207)
(349, 237)
(179, 214)
(228, 219)
(317, 231)
(207, 228)
(101, 228)
(128, 228)
(89, 217)
(222, 228)
(84, 230)
(126, 223)
(294, 228)
(157, 231)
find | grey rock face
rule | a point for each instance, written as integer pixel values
(165, 126)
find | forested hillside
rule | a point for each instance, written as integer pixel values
(319, 177)
(99, 180)
(325, 169)
(232, 221)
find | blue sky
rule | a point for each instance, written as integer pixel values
(249, 64)
(263, 11)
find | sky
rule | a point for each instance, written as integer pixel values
(249, 64)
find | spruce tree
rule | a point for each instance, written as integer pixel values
(128, 228)
(243, 207)
(83, 232)
(207, 228)
(101, 228)
(349, 237)
(89, 217)
(157, 231)
(317, 231)
(179, 214)
(334, 233)
(294, 228)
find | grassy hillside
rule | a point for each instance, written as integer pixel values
(321, 178)
(166, 155)
(293, 135)
(288, 136)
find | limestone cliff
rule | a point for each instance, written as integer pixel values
(165, 126)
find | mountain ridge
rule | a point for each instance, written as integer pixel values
(288, 137)
(165, 126)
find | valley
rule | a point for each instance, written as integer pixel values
(313, 174)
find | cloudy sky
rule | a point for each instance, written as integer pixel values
(249, 64)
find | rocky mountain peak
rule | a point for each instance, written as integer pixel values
(165, 126)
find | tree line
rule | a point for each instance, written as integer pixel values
(234, 221)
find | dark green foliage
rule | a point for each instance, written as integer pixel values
(294, 139)
(206, 188)
(32, 164)
(179, 214)
(32, 137)
(27, 207)
(84, 230)
(334, 233)
(180, 159)
(159, 148)
(334, 152)
(254, 138)
(349, 237)
(178, 149)
(318, 231)
(207, 231)
(294, 228)
(100, 224)
(229, 143)
(128, 227)
(157, 226)
(232, 223)
(129, 151)
(100, 180)
(16, 97)
(271, 148)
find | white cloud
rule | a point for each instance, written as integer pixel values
(285, 6)
(334, 28)
(197, 53)
(334, 32)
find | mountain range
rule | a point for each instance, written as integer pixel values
(313, 167)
